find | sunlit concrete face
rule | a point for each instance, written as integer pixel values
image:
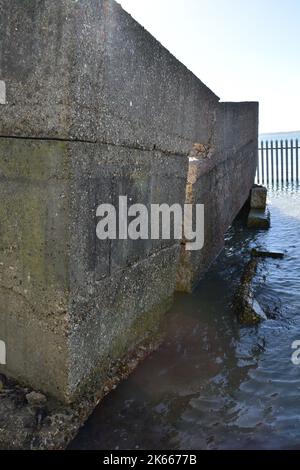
(221, 179)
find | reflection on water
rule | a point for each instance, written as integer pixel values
(215, 384)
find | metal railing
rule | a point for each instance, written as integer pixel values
(278, 162)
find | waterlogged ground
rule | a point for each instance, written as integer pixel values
(215, 384)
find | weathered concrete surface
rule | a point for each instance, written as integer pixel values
(258, 198)
(220, 177)
(87, 70)
(96, 108)
(100, 109)
(70, 302)
(259, 216)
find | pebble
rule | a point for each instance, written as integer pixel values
(36, 399)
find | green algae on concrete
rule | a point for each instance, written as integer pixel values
(70, 303)
(34, 214)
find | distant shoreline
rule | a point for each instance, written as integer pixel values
(280, 133)
(280, 136)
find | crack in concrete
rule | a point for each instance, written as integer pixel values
(153, 148)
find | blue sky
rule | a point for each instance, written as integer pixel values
(243, 50)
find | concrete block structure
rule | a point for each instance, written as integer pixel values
(258, 197)
(220, 176)
(93, 107)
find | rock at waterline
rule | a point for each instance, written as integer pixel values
(36, 399)
(266, 254)
(246, 307)
(259, 219)
(250, 312)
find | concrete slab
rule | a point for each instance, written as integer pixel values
(259, 219)
(258, 197)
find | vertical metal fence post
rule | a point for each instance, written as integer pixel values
(272, 163)
(282, 172)
(287, 161)
(277, 162)
(292, 161)
(297, 160)
(258, 167)
(262, 162)
(267, 162)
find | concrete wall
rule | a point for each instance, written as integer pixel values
(87, 70)
(220, 178)
(95, 108)
(69, 300)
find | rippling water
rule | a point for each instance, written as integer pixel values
(215, 384)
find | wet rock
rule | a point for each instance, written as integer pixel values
(267, 254)
(246, 307)
(259, 219)
(250, 312)
(36, 399)
(258, 197)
